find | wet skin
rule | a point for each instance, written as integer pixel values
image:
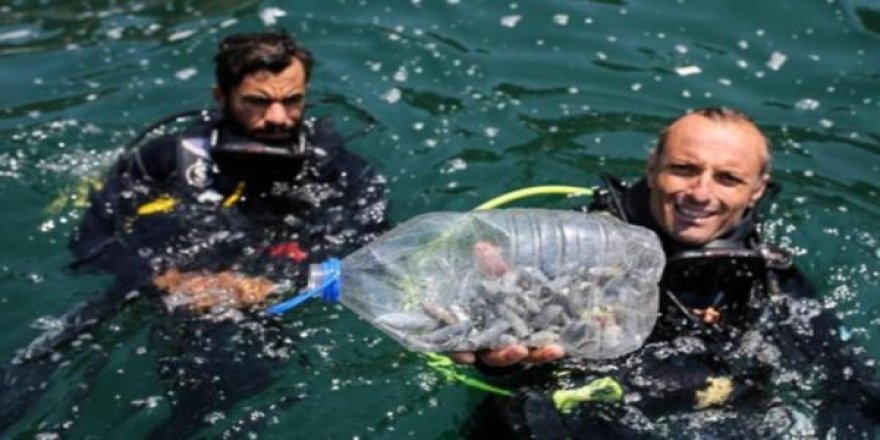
(268, 106)
(707, 175)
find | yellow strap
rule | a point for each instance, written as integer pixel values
(162, 204)
(235, 196)
(165, 204)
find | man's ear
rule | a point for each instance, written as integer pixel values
(219, 96)
(759, 190)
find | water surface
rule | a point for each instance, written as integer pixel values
(469, 99)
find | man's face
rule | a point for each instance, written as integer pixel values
(266, 105)
(707, 175)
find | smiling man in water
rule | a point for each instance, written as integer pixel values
(736, 318)
(709, 169)
(704, 176)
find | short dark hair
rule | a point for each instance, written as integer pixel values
(241, 54)
(718, 114)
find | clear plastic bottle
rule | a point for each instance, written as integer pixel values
(486, 279)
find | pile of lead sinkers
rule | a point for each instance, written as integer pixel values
(595, 313)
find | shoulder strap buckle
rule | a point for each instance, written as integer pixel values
(775, 256)
(609, 197)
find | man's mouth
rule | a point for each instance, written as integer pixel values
(693, 214)
(279, 134)
(273, 137)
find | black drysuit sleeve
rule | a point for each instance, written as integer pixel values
(99, 241)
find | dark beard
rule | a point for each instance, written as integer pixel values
(242, 163)
(238, 129)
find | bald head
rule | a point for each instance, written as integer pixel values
(709, 168)
(721, 115)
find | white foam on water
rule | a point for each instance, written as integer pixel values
(688, 70)
(269, 16)
(777, 59)
(510, 20)
(181, 35)
(16, 35)
(808, 104)
(392, 95)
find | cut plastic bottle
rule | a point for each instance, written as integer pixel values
(486, 279)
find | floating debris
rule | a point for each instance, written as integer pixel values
(807, 104)
(16, 35)
(688, 70)
(510, 20)
(777, 59)
(185, 74)
(269, 16)
(181, 35)
(392, 95)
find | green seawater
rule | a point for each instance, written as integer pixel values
(470, 99)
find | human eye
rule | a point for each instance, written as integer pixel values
(293, 100)
(682, 169)
(257, 101)
(729, 179)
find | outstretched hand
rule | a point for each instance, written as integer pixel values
(491, 263)
(200, 291)
(511, 355)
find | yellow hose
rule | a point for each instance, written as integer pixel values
(534, 191)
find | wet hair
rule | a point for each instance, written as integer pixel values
(719, 114)
(241, 54)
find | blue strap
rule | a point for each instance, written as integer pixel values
(284, 306)
(329, 290)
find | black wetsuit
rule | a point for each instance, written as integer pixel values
(325, 200)
(184, 201)
(774, 349)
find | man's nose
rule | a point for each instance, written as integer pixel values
(701, 188)
(276, 114)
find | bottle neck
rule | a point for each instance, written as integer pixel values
(324, 282)
(317, 276)
(325, 277)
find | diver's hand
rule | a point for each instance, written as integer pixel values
(200, 291)
(491, 264)
(511, 355)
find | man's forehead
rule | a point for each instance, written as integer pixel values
(736, 145)
(291, 80)
(695, 126)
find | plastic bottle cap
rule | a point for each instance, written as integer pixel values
(329, 288)
(332, 268)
